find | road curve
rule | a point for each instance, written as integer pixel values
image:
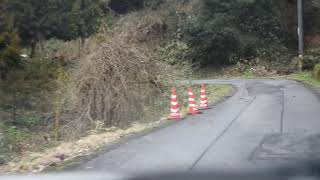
(265, 121)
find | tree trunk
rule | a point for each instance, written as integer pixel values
(81, 46)
(57, 123)
(284, 14)
(14, 108)
(33, 48)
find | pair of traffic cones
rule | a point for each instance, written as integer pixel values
(203, 101)
(175, 112)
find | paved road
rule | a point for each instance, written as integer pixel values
(266, 121)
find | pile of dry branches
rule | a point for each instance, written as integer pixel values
(114, 83)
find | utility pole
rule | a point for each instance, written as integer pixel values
(300, 27)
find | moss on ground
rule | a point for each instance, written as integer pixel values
(305, 77)
(316, 72)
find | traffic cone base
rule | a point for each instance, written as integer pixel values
(193, 112)
(204, 108)
(175, 116)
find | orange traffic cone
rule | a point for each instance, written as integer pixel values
(192, 103)
(203, 98)
(175, 112)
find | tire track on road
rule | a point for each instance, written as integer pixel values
(282, 111)
(215, 140)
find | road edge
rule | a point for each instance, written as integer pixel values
(72, 164)
(315, 90)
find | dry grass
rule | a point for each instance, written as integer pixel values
(117, 79)
(151, 26)
(100, 137)
(32, 162)
(120, 77)
(114, 83)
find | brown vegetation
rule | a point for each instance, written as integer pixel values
(112, 84)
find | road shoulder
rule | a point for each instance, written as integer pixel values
(75, 162)
(54, 159)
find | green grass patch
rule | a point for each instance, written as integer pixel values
(11, 141)
(316, 71)
(306, 77)
(214, 93)
(248, 74)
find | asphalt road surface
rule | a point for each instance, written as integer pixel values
(263, 123)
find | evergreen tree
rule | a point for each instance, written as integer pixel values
(9, 53)
(37, 20)
(85, 17)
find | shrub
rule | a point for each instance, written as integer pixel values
(9, 53)
(123, 6)
(309, 62)
(114, 84)
(211, 42)
(316, 71)
(11, 142)
(154, 4)
(225, 29)
(173, 52)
